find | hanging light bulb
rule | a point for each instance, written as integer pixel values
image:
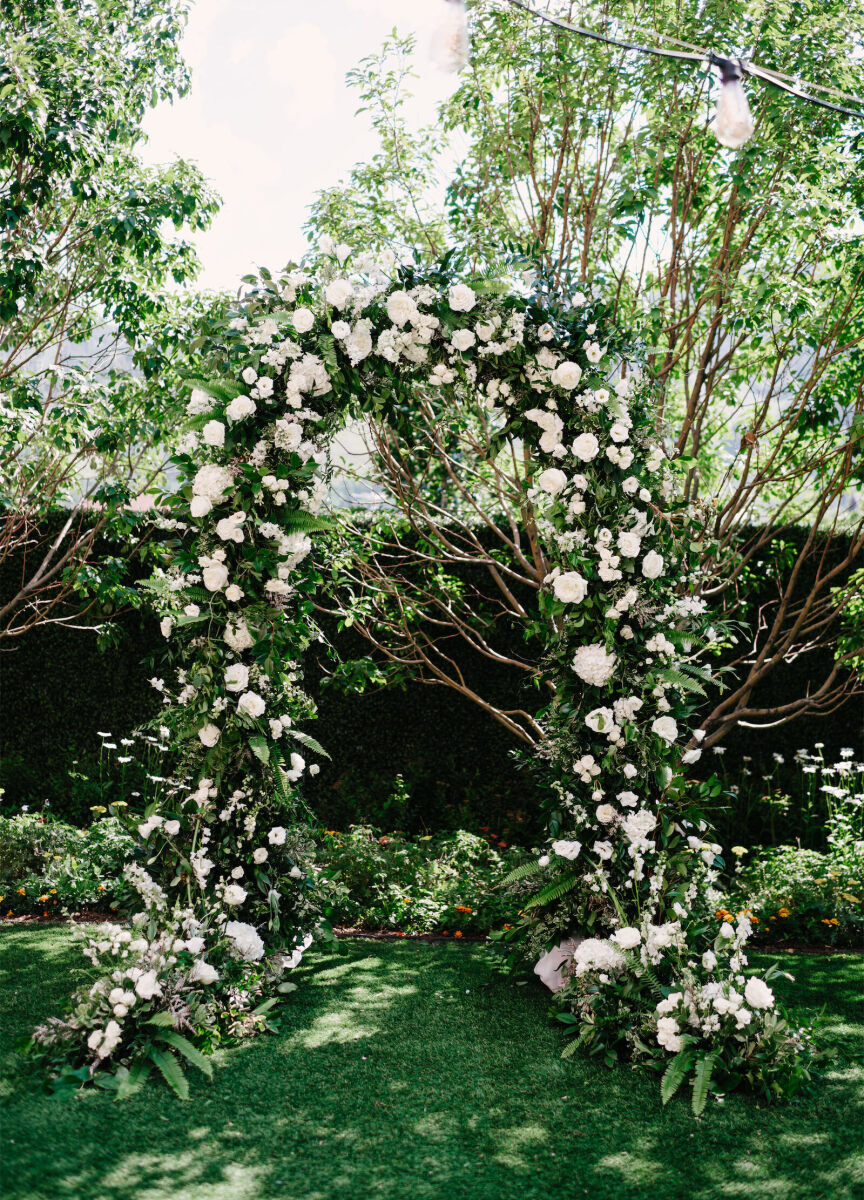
(450, 41)
(733, 124)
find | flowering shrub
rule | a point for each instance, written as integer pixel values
(46, 864)
(416, 885)
(625, 631)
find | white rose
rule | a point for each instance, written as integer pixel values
(202, 972)
(240, 408)
(234, 894)
(567, 375)
(565, 849)
(629, 544)
(606, 813)
(462, 298)
(172, 828)
(233, 593)
(199, 506)
(237, 677)
(462, 339)
(570, 587)
(251, 704)
(709, 960)
(586, 447)
(147, 985)
(340, 330)
(275, 727)
(302, 319)
(338, 293)
(758, 994)
(665, 728)
(165, 626)
(600, 719)
(276, 836)
(652, 565)
(552, 481)
(603, 850)
(628, 799)
(214, 433)
(215, 577)
(627, 938)
(259, 856)
(619, 432)
(209, 734)
(401, 308)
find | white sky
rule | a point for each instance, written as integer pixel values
(269, 118)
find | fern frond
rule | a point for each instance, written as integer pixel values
(554, 891)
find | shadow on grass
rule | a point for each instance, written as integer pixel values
(411, 1071)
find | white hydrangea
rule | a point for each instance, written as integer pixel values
(247, 942)
(594, 664)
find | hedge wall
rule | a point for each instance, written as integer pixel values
(57, 690)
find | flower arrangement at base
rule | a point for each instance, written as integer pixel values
(226, 905)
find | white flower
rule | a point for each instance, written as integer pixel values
(665, 728)
(630, 772)
(667, 1034)
(462, 339)
(603, 850)
(709, 960)
(237, 677)
(594, 664)
(276, 836)
(629, 544)
(213, 433)
(401, 308)
(251, 704)
(586, 447)
(240, 408)
(652, 565)
(259, 856)
(215, 577)
(570, 587)
(606, 813)
(567, 375)
(172, 828)
(690, 756)
(249, 375)
(209, 734)
(552, 481)
(202, 972)
(596, 954)
(594, 352)
(758, 994)
(233, 593)
(199, 402)
(165, 626)
(359, 343)
(147, 985)
(340, 330)
(600, 720)
(462, 298)
(212, 482)
(238, 636)
(302, 319)
(565, 849)
(199, 506)
(627, 938)
(234, 894)
(247, 942)
(228, 529)
(298, 766)
(628, 799)
(338, 293)
(619, 432)
(543, 860)
(552, 427)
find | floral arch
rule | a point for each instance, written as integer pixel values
(225, 899)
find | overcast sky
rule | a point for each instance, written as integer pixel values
(269, 118)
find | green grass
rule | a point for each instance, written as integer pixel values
(410, 1071)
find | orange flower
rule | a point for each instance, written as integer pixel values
(463, 908)
(22, 892)
(44, 898)
(458, 933)
(101, 888)
(399, 933)
(508, 926)
(782, 912)
(406, 899)
(830, 921)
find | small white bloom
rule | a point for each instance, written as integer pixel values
(209, 734)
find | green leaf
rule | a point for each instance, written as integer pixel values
(675, 1074)
(553, 892)
(191, 1053)
(130, 1080)
(219, 391)
(161, 1018)
(529, 868)
(171, 1071)
(701, 1083)
(260, 747)
(311, 742)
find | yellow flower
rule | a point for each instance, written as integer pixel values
(782, 912)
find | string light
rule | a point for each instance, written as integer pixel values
(733, 124)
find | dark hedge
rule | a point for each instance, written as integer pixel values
(457, 767)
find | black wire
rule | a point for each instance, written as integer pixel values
(746, 68)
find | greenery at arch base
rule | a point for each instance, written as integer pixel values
(225, 898)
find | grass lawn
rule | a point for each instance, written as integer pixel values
(409, 1070)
